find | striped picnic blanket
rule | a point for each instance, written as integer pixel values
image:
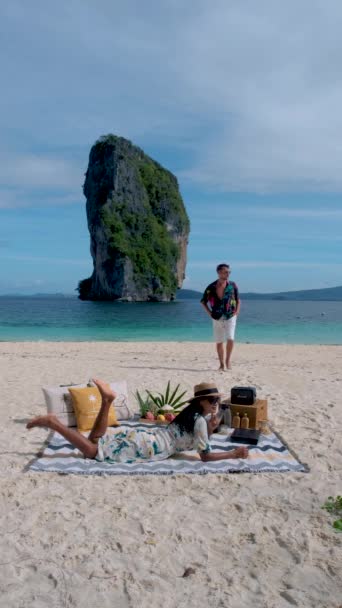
(270, 455)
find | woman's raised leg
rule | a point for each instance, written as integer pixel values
(101, 422)
(87, 447)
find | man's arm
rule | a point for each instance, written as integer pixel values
(204, 302)
(206, 308)
(237, 297)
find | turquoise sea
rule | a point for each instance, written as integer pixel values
(69, 319)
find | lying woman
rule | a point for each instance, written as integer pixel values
(188, 431)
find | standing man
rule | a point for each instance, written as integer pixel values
(222, 303)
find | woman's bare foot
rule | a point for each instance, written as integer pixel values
(107, 393)
(48, 421)
(221, 368)
(240, 452)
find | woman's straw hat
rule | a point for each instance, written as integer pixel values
(205, 389)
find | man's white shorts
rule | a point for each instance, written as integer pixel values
(224, 329)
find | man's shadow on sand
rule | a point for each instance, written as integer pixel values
(170, 369)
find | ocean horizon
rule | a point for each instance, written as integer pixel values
(71, 320)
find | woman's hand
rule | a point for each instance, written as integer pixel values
(240, 452)
(213, 423)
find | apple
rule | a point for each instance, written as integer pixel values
(169, 417)
(149, 416)
(161, 418)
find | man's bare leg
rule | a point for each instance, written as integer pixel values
(229, 350)
(101, 422)
(220, 353)
(88, 449)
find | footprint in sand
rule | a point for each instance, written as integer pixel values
(283, 544)
(288, 598)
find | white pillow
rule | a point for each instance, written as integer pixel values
(59, 402)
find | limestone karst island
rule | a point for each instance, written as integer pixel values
(138, 225)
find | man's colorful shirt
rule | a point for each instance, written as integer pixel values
(226, 307)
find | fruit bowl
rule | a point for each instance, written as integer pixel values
(149, 421)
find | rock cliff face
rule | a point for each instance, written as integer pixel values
(138, 225)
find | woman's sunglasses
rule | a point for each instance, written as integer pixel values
(213, 400)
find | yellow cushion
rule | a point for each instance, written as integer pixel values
(87, 403)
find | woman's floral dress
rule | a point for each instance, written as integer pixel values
(140, 444)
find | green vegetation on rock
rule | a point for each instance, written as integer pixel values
(146, 242)
(161, 187)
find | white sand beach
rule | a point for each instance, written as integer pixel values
(258, 541)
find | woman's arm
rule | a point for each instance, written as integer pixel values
(240, 452)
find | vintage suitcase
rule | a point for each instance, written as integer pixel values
(255, 412)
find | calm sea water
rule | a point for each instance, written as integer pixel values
(69, 319)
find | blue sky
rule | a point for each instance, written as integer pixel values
(241, 100)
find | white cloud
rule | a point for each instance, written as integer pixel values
(34, 171)
(227, 211)
(35, 197)
(289, 237)
(265, 264)
(249, 91)
(30, 180)
(49, 260)
(324, 213)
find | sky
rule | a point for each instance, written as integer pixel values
(241, 100)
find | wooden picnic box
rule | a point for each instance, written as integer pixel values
(255, 412)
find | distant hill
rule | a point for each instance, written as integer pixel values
(328, 294)
(188, 294)
(39, 295)
(332, 294)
